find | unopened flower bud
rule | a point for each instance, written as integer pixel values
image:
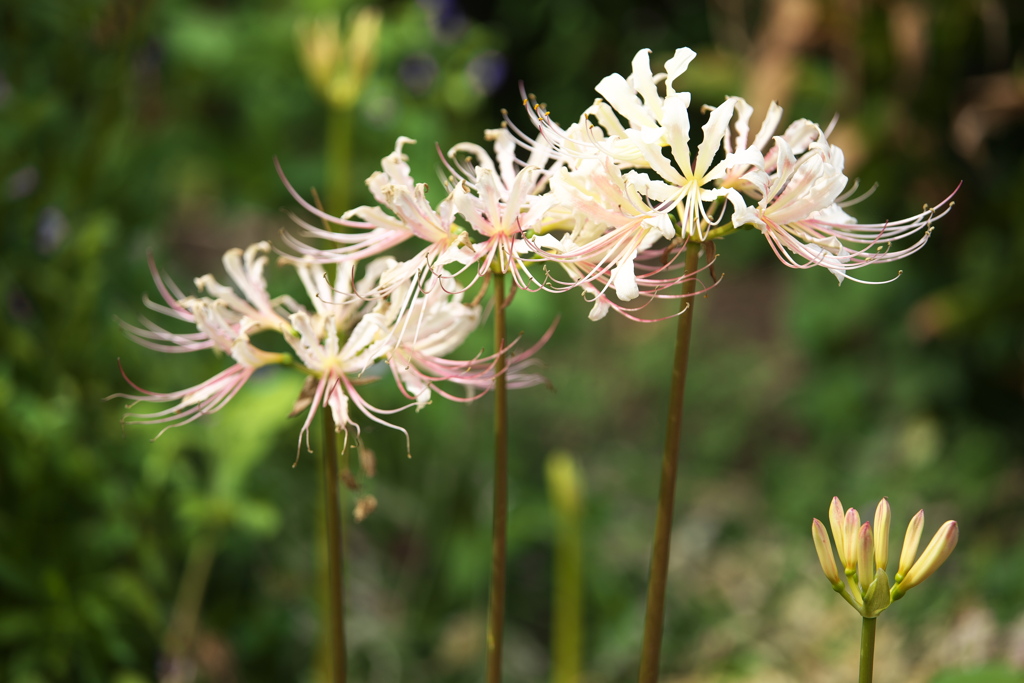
(338, 65)
(851, 534)
(910, 543)
(364, 506)
(934, 555)
(825, 557)
(835, 520)
(865, 557)
(882, 516)
(864, 553)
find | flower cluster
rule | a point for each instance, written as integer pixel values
(605, 205)
(864, 556)
(610, 199)
(342, 340)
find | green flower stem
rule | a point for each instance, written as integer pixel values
(565, 489)
(846, 596)
(496, 607)
(721, 231)
(654, 622)
(188, 604)
(337, 667)
(338, 160)
(867, 650)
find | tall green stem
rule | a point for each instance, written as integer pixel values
(335, 558)
(496, 607)
(181, 632)
(867, 650)
(339, 159)
(565, 488)
(654, 622)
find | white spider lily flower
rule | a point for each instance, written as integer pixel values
(687, 183)
(411, 215)
(408, 214)
(341, 343)
(607, 199)
(651, 282)
(256, 309)
(156, 338)
(799, 215)
(223, 324)
(433, 327)
(395, 189)
(216, 320)
(319, 348)
(653, 272)
(206, 397)
(798, 135)
(219, 320)
(344, 301)
(656, 122)
(503, 199)
(505, 165)
(502, 216)
(417, 372)
(332, 363)
(635, 99)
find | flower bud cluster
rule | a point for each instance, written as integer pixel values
(864, 556)
(337, 65)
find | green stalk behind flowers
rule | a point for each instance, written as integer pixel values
(565, 489)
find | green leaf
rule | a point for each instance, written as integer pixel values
(877, 599)
(987, 674)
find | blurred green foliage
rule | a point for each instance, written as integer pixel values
(135, 127)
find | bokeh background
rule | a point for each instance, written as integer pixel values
(130, 127)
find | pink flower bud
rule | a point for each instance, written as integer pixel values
(835, 520)
(934, 555)
(825, 557)
(851, 533)
(882, 516)
(910, 543)
(865, 557)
